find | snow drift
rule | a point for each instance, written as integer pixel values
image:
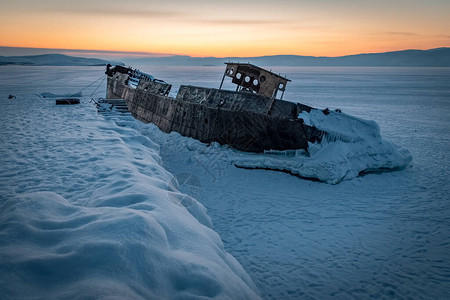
(87, 211)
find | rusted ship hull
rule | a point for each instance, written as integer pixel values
(212, 115)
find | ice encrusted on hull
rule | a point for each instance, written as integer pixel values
(354, 147)
(350, 147)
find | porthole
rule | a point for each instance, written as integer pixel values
(247, 78)
(281, 86)
(231, 71)
(255, 82)
(238, 75)
(262, 79)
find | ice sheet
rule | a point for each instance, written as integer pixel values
(379, 236)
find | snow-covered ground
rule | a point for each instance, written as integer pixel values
(87, 210)
(382, 235)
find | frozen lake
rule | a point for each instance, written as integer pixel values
(382, 235)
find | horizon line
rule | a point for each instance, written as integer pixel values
(143, 54)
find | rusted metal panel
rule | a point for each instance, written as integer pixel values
(223, 99)
(255, 79)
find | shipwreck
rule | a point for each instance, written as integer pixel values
(253, 117)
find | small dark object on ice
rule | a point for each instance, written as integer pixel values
(326, 111)
(338, 110)
(67, 101)
(11, 97)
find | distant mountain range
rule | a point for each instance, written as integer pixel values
(439, 57)
(53, 60)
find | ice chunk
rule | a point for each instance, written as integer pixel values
(350, 147)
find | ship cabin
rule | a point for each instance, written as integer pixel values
(251, 78)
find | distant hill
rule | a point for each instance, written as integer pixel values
(53, 60)
(439, 57)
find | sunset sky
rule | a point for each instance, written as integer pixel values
(227, 28)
